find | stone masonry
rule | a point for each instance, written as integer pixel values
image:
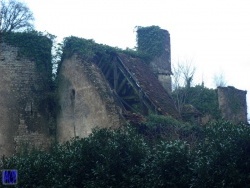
(232, 104)
(161, 65)
(20, 100)
(85, 100)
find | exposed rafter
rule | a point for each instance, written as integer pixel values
(135, 86)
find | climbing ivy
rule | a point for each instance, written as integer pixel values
(73, 45)
(205, 100)
(88, 49)
(150, 41)
(33, 45)
(36, 47)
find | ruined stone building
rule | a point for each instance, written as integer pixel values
(95, 89)
(97, 86)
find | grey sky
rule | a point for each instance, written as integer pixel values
(214, 34)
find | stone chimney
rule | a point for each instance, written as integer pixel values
(155, 42)
(161, 65)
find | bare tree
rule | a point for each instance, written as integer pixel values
(183, 74)
(219, 80)
(188, 73)
(15, 16)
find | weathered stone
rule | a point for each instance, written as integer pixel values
(85, 100)
(161, 65)
(19, 102)
(232, 103)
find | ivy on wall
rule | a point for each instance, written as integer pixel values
(205, 100)
(33, 45)
(82, 47)
(36, 47)
(88, 49)
(150, 41)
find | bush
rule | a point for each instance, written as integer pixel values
(222, 158)
(124, 158)
(159, 127)
(167, 166)
(106, 158)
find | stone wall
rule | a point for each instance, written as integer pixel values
(85, 100)
(232, 104)
(26, 140)
(21, 99)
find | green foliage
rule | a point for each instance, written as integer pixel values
(35, 46)
(150, 44)
(160, 120)
(150, 41)
(91, 50)
(222, 157)
(167, 166)
(106, 158)
(77, 45)
(87, 49)
(135, 53)
(161, 128)
(203, 99)
(124, 158)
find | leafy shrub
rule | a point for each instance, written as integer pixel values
(124, 158)
(167, 166)
(222, 158)
(106, 158)
(159, 127)
(203, 99)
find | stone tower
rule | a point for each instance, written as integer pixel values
(161, 65)
(155, 42)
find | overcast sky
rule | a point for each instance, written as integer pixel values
(213, 35)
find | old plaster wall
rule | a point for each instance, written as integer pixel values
(232, 104)
(20, 100)
(161, 65)
(85, 100)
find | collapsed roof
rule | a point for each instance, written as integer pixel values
(149, 85)
(135, 86)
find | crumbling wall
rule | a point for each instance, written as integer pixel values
(26, 140)
(21, 95)
(85, 100)
(232, 104)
